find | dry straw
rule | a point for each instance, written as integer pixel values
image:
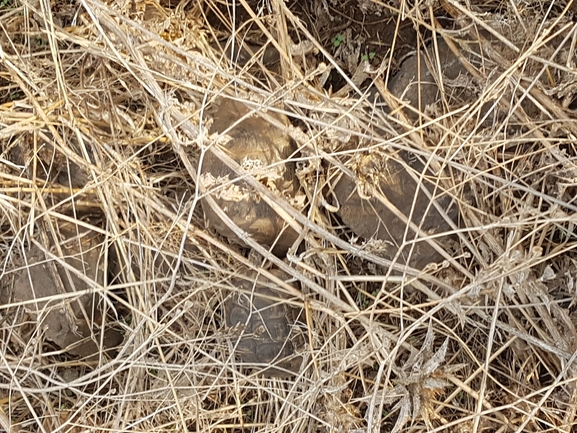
(105, 113)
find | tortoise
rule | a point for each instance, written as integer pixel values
(370, 216)
(262, 322)
(401, 178)
(70, 322)
(262, 150)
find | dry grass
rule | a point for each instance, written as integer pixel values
(123, 92)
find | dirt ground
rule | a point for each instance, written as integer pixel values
(409, 240)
